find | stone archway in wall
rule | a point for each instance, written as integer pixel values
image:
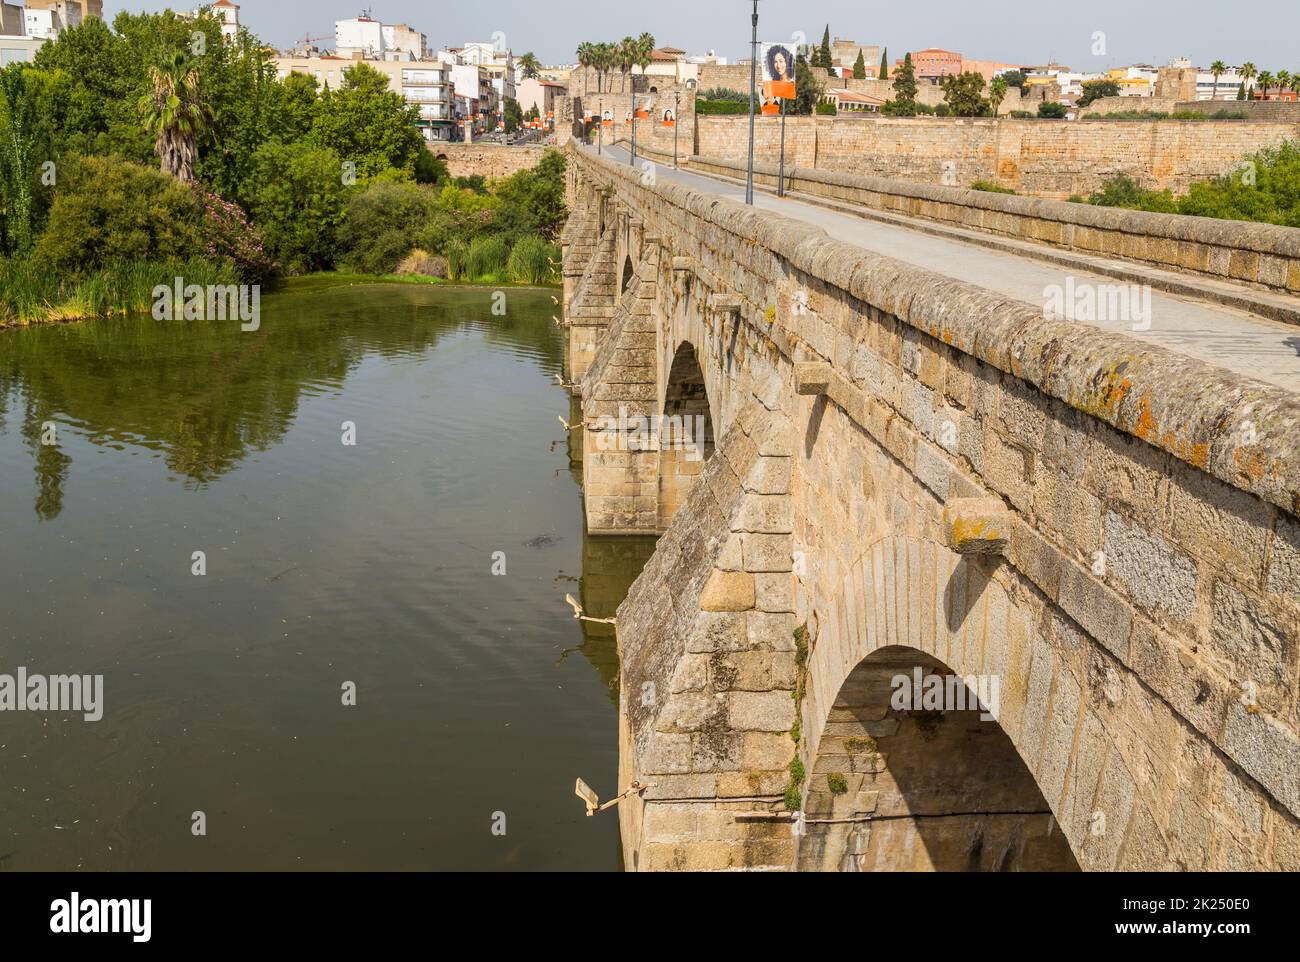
(928, 785)
(686, 432)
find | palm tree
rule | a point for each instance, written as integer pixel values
(997, 93)
(530, 66)
(645, 48)
(627, 53)
(1218, 68)
(1265, 81)
(1283, 80)
(605, 60)
(1248, 73)
(176, 112)
(584, 61)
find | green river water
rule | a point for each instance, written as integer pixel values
(326, 564)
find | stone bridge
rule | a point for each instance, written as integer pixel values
(888, 477)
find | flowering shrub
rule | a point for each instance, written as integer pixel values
(228, 234)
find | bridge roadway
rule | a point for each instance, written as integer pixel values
(1247, 344)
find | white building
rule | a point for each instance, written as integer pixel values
(46, 24)
(359, 37)
(402, 42)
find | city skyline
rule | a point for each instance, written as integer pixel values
(992, 29)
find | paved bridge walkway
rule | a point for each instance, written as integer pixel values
(1247, 344)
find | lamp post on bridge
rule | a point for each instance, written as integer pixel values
(677, 109)
(753, 81)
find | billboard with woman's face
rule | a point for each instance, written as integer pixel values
(670, 118)
(778, 76)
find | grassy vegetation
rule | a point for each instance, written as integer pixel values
(989, 187)
(32, 294)
(1222, 114)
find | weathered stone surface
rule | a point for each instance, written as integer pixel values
(977, 526)
(1154, 557)
(728, 591)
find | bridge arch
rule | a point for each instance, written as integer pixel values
(687, 436)
(911, 774)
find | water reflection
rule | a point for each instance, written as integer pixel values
(324, 564)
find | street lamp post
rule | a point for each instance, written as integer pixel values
(677, 109)
(632, 162)
(753, 81)
(600, 130)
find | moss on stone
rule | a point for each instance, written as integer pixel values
(837, 783)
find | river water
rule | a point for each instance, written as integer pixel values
(478, 698)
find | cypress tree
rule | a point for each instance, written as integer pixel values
(860, 68)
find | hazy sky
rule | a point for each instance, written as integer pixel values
(1023, 31)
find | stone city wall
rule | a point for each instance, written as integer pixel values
(492, 161)
(1044, 158)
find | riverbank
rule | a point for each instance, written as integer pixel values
(30, 300)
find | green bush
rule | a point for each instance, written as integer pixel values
(297, 196)
(1051, 110)
(1123, 191)
(107, 211)
(1271, 195)
(708, 108)
(827, 110)
(486, 257)
(531, 261)
(989, 187)
(381, 224)
(457, 254)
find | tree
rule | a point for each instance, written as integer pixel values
(997, 93)
(905, 88)
(1241, 90)
(964, 94)
(1265, 81)
(109, 211)
(1051, 110)
(627, 57)
(1096, 89)
(884, 65)
(176, 112)
(645, 48)
(297, 196)
(512, 114)
(17, 157)
(860, 67)
(1015, 78)
(1218, 69)
(1248, 73)
(530, 66)
(368, 125)
(808, 91)
(586, 58)
(824, 57)
(1283, 80)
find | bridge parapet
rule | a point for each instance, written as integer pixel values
(1145, 620)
